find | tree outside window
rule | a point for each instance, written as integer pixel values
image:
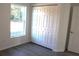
(16, 13)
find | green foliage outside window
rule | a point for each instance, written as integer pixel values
(16, 14)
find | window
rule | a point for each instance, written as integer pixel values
(18, 21)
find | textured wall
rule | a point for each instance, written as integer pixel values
(64, 13)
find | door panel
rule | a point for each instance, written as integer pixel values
(44, 25)
(74, 35)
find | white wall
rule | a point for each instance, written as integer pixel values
(5, 40)
(63, 26)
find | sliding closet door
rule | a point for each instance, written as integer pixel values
(44, 25)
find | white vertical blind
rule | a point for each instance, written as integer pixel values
(44, 25)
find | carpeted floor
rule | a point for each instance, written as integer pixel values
(31, 49)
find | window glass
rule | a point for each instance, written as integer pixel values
(18, 21)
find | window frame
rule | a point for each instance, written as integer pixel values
(22, 20)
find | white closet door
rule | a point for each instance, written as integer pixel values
(44, 25)
(74, 35)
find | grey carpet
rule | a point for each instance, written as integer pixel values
(32, 49)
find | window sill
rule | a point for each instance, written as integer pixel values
(17, 34)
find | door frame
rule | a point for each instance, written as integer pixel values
(69, 28)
